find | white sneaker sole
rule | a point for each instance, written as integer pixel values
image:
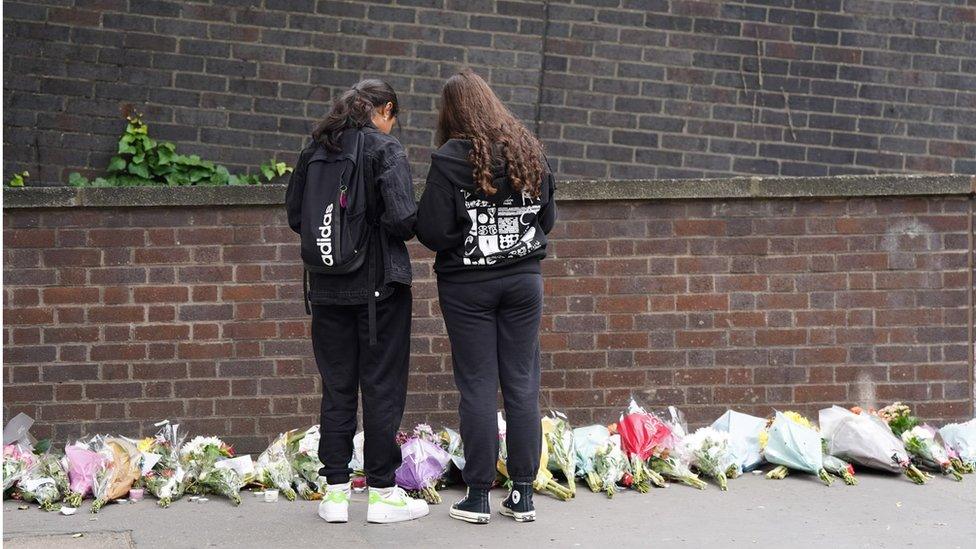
(468, 516)
(388, 518)
(528, 516)
(334, 517)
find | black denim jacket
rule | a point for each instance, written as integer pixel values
(388, 170)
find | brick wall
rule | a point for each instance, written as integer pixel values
(617, 88)
(117, 317)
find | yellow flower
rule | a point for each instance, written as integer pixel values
(145, 444)
(799, 419)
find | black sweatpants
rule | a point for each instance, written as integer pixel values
(493, 326)
(347, 362)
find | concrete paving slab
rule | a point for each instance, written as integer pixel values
(798, 512)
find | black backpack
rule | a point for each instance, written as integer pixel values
(335, 222)
(338, 217)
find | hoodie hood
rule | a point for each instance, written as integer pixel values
(451, 161)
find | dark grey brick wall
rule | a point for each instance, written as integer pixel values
(617, 88)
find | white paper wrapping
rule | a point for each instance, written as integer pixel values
(743, 430)
(794, 445)
(862, 439)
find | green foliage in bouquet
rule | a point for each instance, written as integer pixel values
(143, 161)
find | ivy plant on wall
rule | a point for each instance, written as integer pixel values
(141, 160)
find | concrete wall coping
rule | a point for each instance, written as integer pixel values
(569, 190)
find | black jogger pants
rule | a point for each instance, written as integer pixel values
(348, 364)
(493, 326)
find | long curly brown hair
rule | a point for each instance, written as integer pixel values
(471, 110)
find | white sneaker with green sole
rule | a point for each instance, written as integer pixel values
(388, 505)
(334, 506)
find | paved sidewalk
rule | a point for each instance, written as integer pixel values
(882, 511)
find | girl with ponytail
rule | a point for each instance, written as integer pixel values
(360, 316)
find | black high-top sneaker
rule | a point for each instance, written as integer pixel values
(473, 508)
(518, 504)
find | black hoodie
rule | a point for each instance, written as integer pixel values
(479, 237)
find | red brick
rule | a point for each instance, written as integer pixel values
(28, 238)
(70, 295)
(247, 292)
(160, 294)
(781, 337)
(699, 227)
(703, 302)
(118, 314)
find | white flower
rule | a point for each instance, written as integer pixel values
(199, 444)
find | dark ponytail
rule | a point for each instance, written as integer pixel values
(354, 109)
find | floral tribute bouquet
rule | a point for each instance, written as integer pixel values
(162, 471)
(118, 470)
(960, 439)
(865, 439)
(840, 468)
(83, 464)
(45, 483)
(17, 459)
(642, 436)
(451, 442)
(610, 465)
(924, 444)
(544, 481)
(792, 442)
(672, 467)
(424, 463)
(586, 442)
(558, 435)
(899, 417)
(200, 457)
(303, 453)
(273, 469)
(743, 430)
(708, 451)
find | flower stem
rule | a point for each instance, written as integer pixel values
(779, 472)
(825, 477)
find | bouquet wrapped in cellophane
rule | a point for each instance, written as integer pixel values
(452, 444)
(273, 469)
(642, 436)
(960, 439)
(611, 465)
(423, 463)
(544, 482)
(83, 464)
(17, 459)
(743, 430)
(673, 467)
(200, 457)
(792, 442)
(558, 435)
(162, 471)
(865, 439)
(586, 442)
(303, 454)
(119, 469)
(45, 482)
(925, 446)
(707, 450)
(840, 468)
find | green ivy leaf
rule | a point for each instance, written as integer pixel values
(139, 169)
(125, 148)
(75, 179)
(267, 171)
(116, 164)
